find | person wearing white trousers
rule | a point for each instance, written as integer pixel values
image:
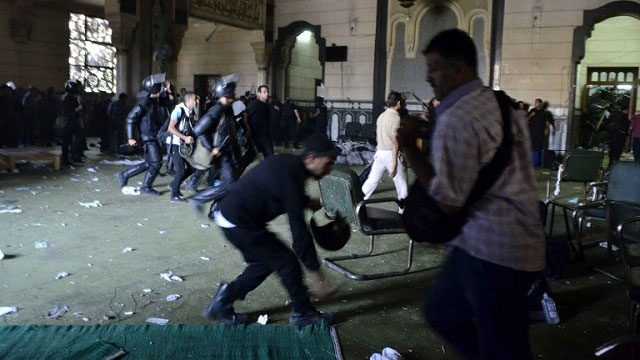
(387, 157)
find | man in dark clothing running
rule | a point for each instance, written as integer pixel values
(274, 187)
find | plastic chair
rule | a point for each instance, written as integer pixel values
(341, 193)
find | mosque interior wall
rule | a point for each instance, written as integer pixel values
(350, 23)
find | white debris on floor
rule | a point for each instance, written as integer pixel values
(57, 312)
(127, 249)
(41, 244)
(94, 203)
(387, 354)
(158, 321)
(1, 255)
(170, 277)
(262, 319)
(61, 275)
(121, 162)
(6, 310)
(204, 258)
(130, 190)
(173, 297)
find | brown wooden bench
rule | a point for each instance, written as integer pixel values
(11, 156)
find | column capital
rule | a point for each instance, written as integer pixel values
(262, 50)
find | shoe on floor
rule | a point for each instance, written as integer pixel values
(311, 317)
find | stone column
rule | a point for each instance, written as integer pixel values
(123, 26)
(262, 51)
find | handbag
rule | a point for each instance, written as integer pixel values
(423, 218)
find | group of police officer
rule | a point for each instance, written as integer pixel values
(241, 207)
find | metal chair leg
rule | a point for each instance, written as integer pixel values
(331, 262)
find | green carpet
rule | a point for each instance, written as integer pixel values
(168, 342)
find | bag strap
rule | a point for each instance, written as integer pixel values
(490, 173)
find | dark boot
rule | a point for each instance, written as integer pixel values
(124, 176)
(147, 184)
(220, 308)
(310, 317)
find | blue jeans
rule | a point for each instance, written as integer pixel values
(481, 308)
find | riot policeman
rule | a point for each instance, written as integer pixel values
(148, 116)
(216, 131)
(72, 109)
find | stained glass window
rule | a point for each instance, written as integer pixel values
(92, 59)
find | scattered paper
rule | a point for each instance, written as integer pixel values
(173, 297)
(387, 354)
(11, 211)
(61, 275)
(1, 255)
(95, 203)
(127, 249)
(147, 291)
(95, 178)
(57, 312)
(170, 277)
(6, 310)
(204, 258)
(41, 244)
(22, 188)
(74, 179)
(262, 319)
(162, 232)
(130, 190)
(91, 170)
(204, 226)
(121, 162)
(128, 313)
(573, 200)
(158, 321)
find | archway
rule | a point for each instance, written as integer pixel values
(308, 38)
(580, 75)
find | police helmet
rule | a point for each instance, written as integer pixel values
(72, 86)
(333, 236)
(225, 86)
(152, 83)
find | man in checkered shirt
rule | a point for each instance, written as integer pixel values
(479, 301)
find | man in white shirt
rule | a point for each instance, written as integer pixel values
(387, 157)
(180, 126)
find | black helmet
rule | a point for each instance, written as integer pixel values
(332, 236)
(225, 86)
(72, 86)
(152, 83)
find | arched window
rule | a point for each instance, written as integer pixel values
(92, 59)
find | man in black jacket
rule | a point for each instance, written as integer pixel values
(72, 110)
(148, 115)
(274, 187)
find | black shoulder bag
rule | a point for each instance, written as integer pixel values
(426, 222)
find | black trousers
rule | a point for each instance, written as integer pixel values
(265, 253)
(265, 146)
(72, 143)
(181, 168)
(229, 174)
(616, 145)
(152, 163)
(481, 308)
